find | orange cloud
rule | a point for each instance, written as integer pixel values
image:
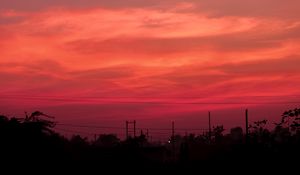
(159, 53)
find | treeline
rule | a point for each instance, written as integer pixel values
(32, 139)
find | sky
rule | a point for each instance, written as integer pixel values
(103, 62)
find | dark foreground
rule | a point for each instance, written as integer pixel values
(32, 144)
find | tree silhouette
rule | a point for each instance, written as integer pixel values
(290, 118)
(33, 137)
(107, 140)
(217, 132)
(236, 135)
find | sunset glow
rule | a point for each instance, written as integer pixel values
(100, 61)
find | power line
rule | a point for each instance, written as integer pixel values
(79, 132)
(166, 135)
(73, 131)
(123, 128)
(90, 126)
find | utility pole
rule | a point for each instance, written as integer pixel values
(130, 130)
(209, 127)
(247, 126)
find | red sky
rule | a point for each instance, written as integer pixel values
(102, 62)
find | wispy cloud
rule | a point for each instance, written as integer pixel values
(152, 49)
